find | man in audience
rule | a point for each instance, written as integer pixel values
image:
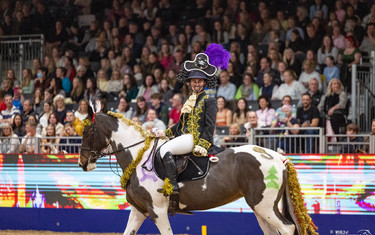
(70, 144)
(7, 115)
(74, 122)
(159, 107)
(308, 116)
(28, 110)
(30, 140)
(175, 113)
(265, 67)
(351, 131)
(226, 88)
(314, 92)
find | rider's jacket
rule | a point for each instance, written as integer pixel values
(199, 120)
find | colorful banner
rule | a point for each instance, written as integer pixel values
(331, 184)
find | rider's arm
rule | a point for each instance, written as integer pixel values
(210, 120)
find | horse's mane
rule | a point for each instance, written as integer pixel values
(145, 134)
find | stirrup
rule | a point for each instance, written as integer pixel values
(174, 201)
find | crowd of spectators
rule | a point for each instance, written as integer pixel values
(131, 51)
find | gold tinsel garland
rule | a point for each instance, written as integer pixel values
(167, 187)
(148, 139)
(304, 219)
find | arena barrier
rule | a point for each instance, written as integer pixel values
(50, 192)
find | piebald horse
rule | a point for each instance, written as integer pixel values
(257, 174)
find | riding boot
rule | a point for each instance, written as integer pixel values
(171, 173)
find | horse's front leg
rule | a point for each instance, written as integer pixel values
(135, 221)
(162, 220)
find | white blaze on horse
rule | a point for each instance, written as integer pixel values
(257, 174)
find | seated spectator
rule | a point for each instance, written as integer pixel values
(368, 138)
(269, 87)
(338, 38)
(241, 113)
(50, 145)
(74, 122)
(223, 115)
(44, 116)
(351, 131)
(92, 92)
(153, 121)
(265, 113)
(265, 67)
(309, 73)
(2, 102)
(124, 108)
(38, 100)
(368, 43)
(229, 141)
(249, 90)
(296, 42)
(160, 108)
(252, 122)
(27, 110)
(59, 108)
(174, 114)
(7, 115)
(9, 142)
(78, 90)
(234, 75)
(27, 83)
(285, 119)
(308, 116)
(65, 82)
(333, 105)
(141, 109)
(291, 61)
(17, 126)
(330, 71)
(84, 111)
(69, 145)
(130, 89)
(291, 87)
(287, 100)
(314, 92)
(30, 140)
(115, 84)
(226, 89)
(327, 49)
(58, 126)
(148, 88)
(102, 80)
(7, 88)
(165, 88)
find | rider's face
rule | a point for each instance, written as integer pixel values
(197, 84)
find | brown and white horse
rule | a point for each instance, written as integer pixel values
(257, 174)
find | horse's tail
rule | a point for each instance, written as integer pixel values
(294, 207)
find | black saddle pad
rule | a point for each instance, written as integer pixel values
(194, 168)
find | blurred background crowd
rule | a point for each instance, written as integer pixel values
(290, 63)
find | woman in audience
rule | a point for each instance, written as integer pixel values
(330, 71)
(249, 90)
(38, 99)
(309, 73)
(27, 82)
(269, 87)
(32, 118)
(141, 109)
(333, 105)
(78, 90)
(70, 69)
(50, 144)
(148, 88)
(229, 141)
(223, 115)
(124, 108)
(241, 112)
(83, 111)
(291, 61)
(52, 119)
(327, 49)
(56, 86)
(49, 63)
(18, 126)
(291, 87)
(115, 84)
(265, 113)
(165, 56)
(165, 89)
(92, 92)
(102, 80)
(9, 142)
(130, 88)
(47, 110)
(59, 108)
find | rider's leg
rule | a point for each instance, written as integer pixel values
(180, 145)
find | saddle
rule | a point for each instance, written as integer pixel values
(189, 167)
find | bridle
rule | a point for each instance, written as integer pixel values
(95, 155)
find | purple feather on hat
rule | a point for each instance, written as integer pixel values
(219, 57)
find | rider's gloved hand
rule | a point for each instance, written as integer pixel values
(158, 132)
(199, 150)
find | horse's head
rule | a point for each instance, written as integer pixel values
(94, 140)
